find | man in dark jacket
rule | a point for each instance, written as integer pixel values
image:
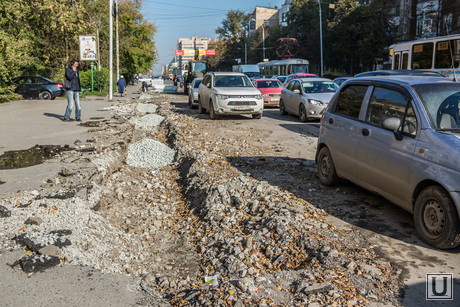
(73, 94)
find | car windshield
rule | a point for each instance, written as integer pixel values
(197, 83)
(232, 81)
(269, 84)
(319, 86)
(199, 67)
(442, 104)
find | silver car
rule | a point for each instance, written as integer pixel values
(399, 137)
(225, 93)
(193, 92)
(307, 97)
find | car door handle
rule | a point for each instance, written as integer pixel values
(331, 121)
(365, 132)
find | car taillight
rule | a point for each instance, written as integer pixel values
(59, 85)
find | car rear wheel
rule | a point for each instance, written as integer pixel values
(303, 113)
(201, 110)
(282, 108)
(212, 113)
(326, 169)
(436, 218)
(45, 95)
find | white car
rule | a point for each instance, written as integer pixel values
(193, 92)
(307, 97)
(226, 93)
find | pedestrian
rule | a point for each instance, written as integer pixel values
(175, 80)
(121, 85)
(133, 79)
(73, 93)
(144, 86)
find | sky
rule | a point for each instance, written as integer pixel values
(186, 18)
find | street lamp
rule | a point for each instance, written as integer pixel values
(321, 36)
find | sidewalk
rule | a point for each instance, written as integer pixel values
(29, 122)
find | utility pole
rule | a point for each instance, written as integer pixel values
(110, 49)
(116, 38)
(321, 36)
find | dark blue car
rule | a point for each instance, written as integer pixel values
(38, 87)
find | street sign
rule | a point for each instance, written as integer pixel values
(87, 48)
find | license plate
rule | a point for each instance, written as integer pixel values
(275, 99)
(242, 109)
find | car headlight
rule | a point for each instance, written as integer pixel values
(259, 96)
(315, 102)
(265, 95)
(220, 96)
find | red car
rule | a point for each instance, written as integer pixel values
(296, 76)
(271, 91)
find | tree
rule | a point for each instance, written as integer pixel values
(137, 47)
(233, 32)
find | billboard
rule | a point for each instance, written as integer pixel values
(87, 48)
(191, 52)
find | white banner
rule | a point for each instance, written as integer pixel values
(87, 48)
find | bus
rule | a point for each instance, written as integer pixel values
(284, 67)
(439, 54)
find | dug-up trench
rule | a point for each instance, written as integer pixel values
(202, 233)
(201, 218)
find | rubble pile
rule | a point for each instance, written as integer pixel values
(195, 228)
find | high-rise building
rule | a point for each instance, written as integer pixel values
(189, 45)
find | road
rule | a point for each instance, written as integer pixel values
(389, 229)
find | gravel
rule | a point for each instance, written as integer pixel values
(151, 120)
(188, 216)
(149, 153)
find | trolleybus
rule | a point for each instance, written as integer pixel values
(440, 54)
(284, 67)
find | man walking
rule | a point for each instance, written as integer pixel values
(73, 94)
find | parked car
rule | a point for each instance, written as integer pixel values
(399, 137)
(296, 76)
(307, 97)
(193, 92)
(340, 80)
(415, 72)
(271, 91)
(224, 93)
(38, 87)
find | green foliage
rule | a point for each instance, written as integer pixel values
(101, 79)
(41, 37)
(233, 32)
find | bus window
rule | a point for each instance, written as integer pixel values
(422, 56)
(396, 61)
(299, 69)
(445, 51)
(405, 60)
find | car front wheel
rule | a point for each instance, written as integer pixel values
(436, 218)
(212, 113)
(45, 95)
(282, 108)
(326, 169)
(303, 113)
(201, 110)
(257, 116)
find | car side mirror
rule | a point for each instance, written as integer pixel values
(392, 124)
(296, 91)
